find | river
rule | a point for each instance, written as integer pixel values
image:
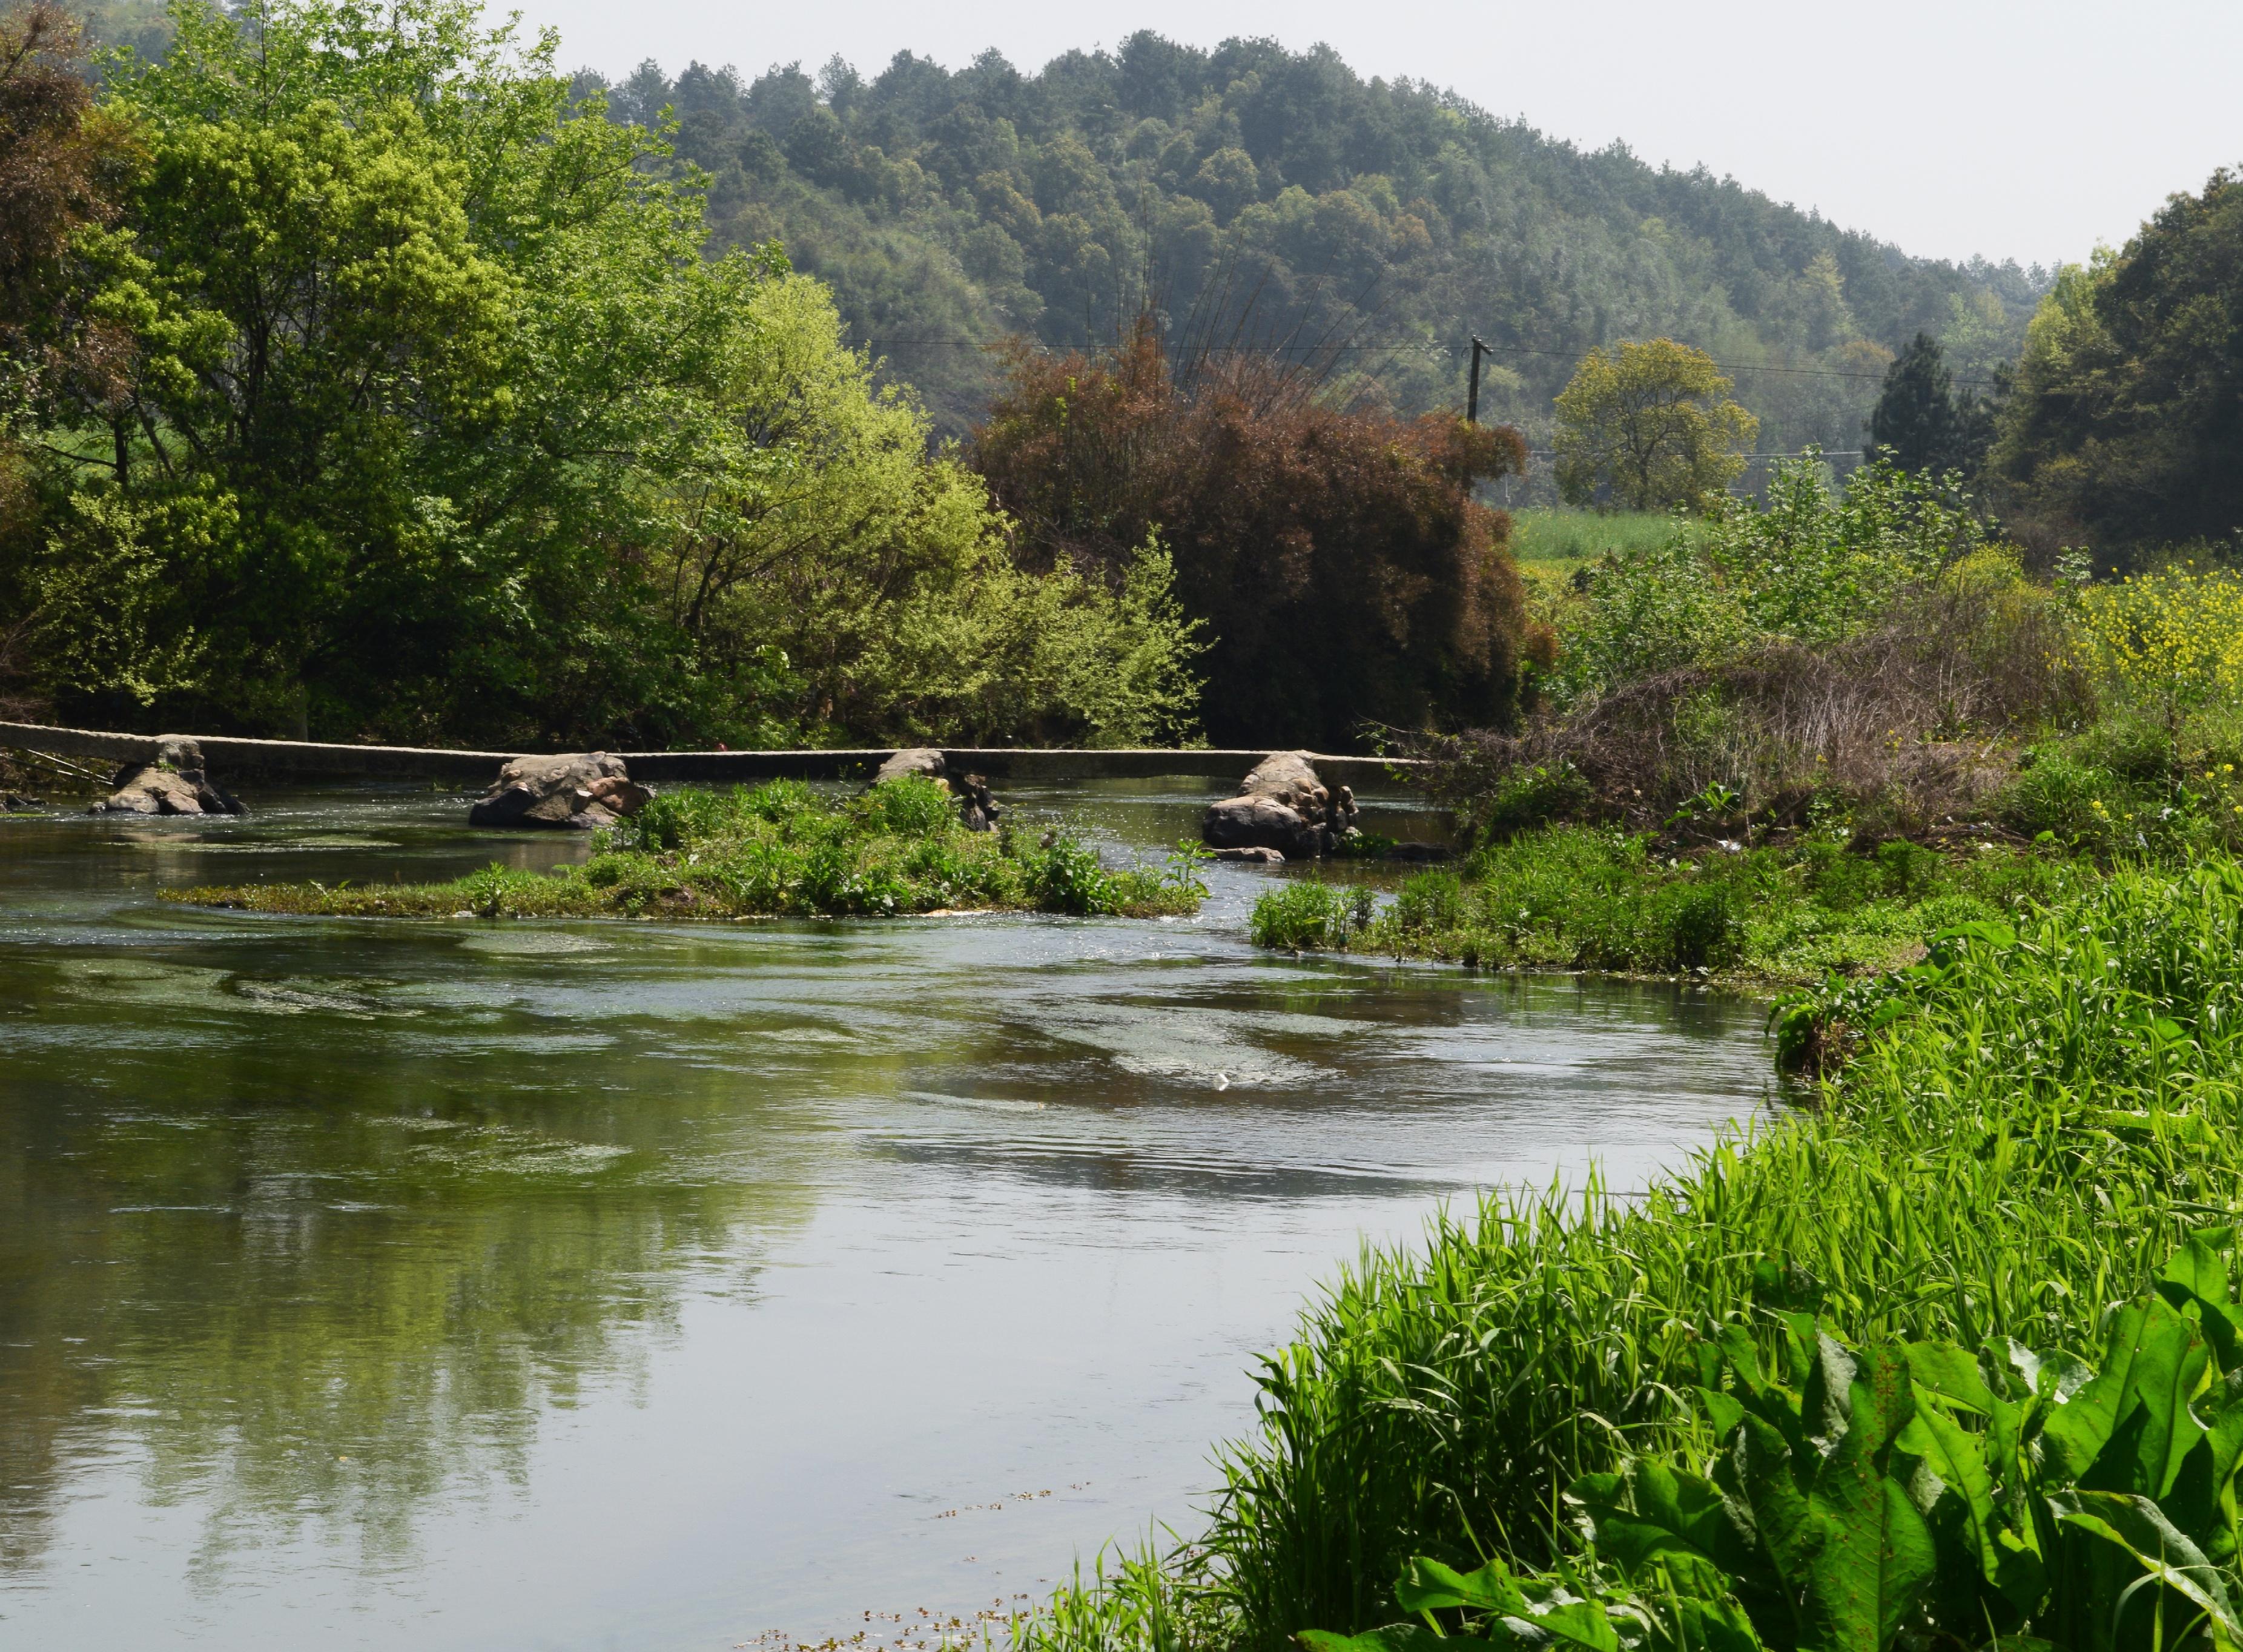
(583, 1285)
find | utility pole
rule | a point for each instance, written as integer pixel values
(1472, 396)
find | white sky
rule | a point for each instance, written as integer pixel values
(1950, 127)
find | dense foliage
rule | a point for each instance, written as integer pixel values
(1921, 421)
(2127, 421)
(1338, 558)
(429, 420)
(774, 850)
(1649, 427)
(952, 209)
(1580, 898)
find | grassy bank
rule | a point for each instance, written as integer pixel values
(1572, 897)
(2032, 1121)
(779, 850)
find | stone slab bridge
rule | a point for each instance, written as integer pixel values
(234, 758)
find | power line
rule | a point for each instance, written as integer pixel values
(1397, 346)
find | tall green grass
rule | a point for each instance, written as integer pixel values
(2031, 1122)
(1562, 538)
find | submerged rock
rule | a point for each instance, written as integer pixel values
(577, 790)
(1283, 805)
(172, 784)
(1254, 853)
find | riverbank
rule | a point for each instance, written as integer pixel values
(775, 851)
(1760, 920)
(2025, 1125)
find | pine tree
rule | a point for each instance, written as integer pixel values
(1916, 423)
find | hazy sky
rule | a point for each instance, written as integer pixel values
(1948, 126)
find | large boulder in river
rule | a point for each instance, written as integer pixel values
(580, 790)
(172, 784)
(918, 759)
(1282, 804)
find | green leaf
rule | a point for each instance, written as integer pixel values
(2138, 1527)
(1876, 1555)
(1959, 1460)
(1427, 1586)
(1952, 1373)
(1649, 1511)
(1583, 1624)
(2152, 1359)
(1395, 1637)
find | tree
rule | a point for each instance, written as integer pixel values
(2127, 423)
(1649, 427)
(1920, 423)
(1338, 559)
(1914, 424)
(437, 424)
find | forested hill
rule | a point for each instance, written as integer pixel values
(1390, 219)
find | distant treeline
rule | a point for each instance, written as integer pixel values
(1261, 196)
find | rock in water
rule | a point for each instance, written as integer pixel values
(919, 760)
(174, 784)
(1283, 805)
(580, 790)
(977, 809)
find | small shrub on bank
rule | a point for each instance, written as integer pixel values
(779, 850)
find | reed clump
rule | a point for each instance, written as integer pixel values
(774, 850)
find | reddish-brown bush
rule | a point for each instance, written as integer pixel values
(1344, 570)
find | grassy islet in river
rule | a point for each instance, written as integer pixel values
(777, 850)
(1577, 897)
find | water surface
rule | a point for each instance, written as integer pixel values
(584, 1285)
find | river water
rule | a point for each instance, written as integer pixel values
(585, 1286)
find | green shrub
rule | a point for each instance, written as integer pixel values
(1698, 925)
(1430, 900)
(2074, 803)
(1303, 914)
(1533, 797)
(2035, 1118)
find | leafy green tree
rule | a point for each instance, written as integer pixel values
(438, 424)
(1649, 427)
(2127, 417)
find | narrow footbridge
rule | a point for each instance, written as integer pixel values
(232, 759)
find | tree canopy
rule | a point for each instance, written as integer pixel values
(2126, 426)
(431, 420)
(947, 209)
(1338, 557)
(1649, 427)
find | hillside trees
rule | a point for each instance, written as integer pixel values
(437, 423)
(1338, 558)
(951, 209)
(1649, 427)
(2126, 427)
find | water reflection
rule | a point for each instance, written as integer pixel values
(585, 1284)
